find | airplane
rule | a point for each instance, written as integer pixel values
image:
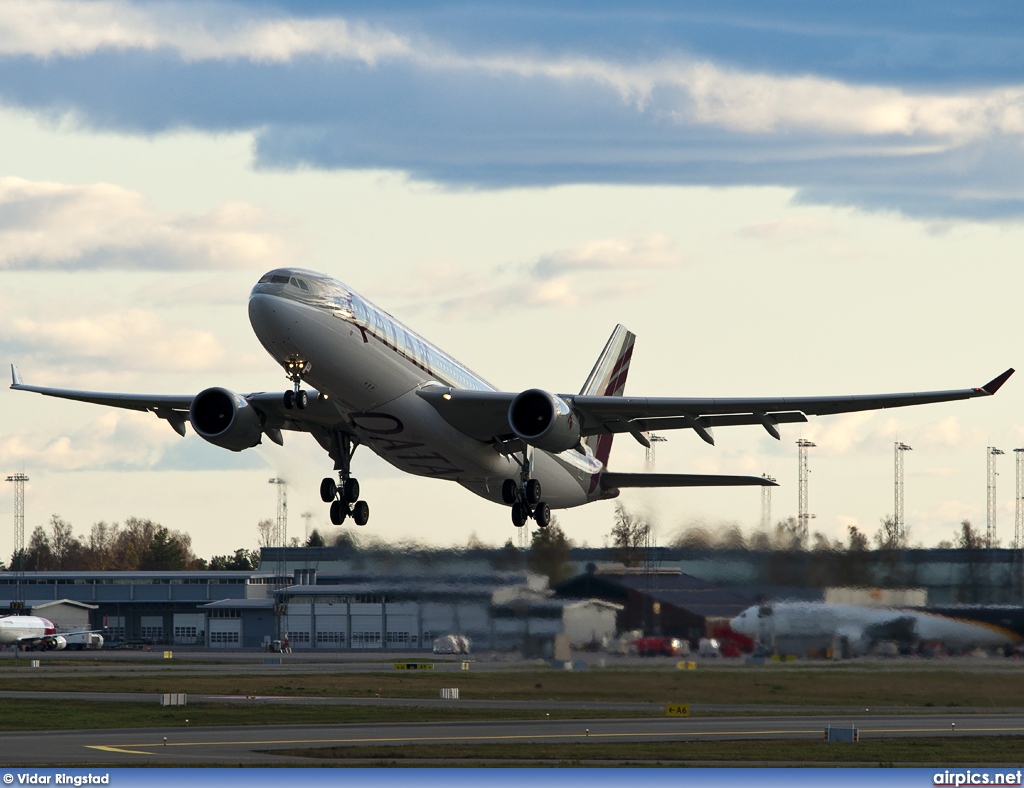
(857, 628)
(29, 632)
(379, 384)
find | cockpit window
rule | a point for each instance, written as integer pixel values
(299, 284)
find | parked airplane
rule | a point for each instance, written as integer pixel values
(857, 629)
(381, 385)
(30, 631)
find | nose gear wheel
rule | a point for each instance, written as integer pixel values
(295, 369)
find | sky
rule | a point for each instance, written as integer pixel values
(779, 199)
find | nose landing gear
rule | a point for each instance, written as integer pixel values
(295, 368)
(344, 497)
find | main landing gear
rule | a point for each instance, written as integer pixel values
(344, 496)
(296, 368)
(524, 497)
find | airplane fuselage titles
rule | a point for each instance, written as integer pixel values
(370, 366)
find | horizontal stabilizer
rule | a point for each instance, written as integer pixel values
(612, 480)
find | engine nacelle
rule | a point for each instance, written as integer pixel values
(57, 643)
(225, 419)
(541, 419)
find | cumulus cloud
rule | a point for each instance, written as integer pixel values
(45, 225)
(114, 439)
(133, 338)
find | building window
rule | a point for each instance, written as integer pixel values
(365, 638)
(297, 637)
(155, 634)
(398, 637)
(330, 637)
(223, 638)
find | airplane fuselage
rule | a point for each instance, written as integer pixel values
(369, 366)
(14, 629)
(861, 626)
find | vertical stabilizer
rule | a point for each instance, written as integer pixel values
(608, 379)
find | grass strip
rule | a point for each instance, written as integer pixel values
(761, 686)
(940, 751)
(27, 715)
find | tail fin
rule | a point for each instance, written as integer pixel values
(608, 379)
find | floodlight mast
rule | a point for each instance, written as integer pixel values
(899, 522)
(19, 480)
(990, 521)
(1018, 511)
(803, 515)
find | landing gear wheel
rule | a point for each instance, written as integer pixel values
(518, 515)
(350, 490)
(301, 399)
(508, 491)
(338, 512)
(542, 515)
(289, 400)
(328, 490)
(532, 491)
(361, 512)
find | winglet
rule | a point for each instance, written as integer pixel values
(16, 377)
(993, 385)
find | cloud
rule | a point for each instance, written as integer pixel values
(594, 271)
(45, 225)
(113, 440)
(611, 255)
(134, 339)
(65, 28)
(653, 97)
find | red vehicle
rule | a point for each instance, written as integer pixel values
(651, 646)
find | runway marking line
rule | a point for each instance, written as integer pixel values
(532, 737)
(116, 749)
(413, 739)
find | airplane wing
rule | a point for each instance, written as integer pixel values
(174, 408)
(484, 414)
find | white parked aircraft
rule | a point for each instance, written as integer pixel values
(379, 384)
(858, 628)
(30, 631)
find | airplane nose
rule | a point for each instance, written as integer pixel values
(265, 314)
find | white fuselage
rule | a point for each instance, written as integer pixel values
(860, 626)
(370, 366)
(15, 629)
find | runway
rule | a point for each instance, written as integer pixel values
(256, 745)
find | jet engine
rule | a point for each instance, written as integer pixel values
(541, 419)
(225, 419)
(56, 643)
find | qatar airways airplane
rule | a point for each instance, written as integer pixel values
(376, 383)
